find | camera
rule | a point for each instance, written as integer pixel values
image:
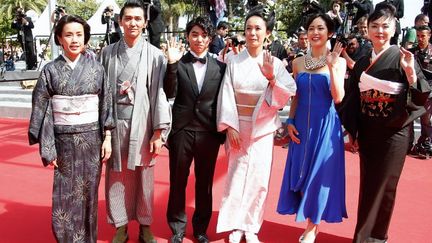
(108, 11)
(20, 14)
(59, 9)
(342, 39)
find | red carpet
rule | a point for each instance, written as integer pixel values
(25, 199)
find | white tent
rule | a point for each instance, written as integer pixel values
(42, 26)
(95, 21)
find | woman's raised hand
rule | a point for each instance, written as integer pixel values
(332, 57)
(267, 66)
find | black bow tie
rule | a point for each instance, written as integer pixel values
(197, 59)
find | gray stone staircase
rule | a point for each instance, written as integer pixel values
(15, 102)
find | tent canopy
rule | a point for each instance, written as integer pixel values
(42, 25)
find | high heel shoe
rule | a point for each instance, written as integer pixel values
(236, 236)
(251, 238)
(311, 239)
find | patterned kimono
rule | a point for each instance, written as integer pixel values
(249, 105)
(140, 107)
(77, 148)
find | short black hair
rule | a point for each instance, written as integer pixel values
(266, 14)
(133, 4)
(383, 9)
(71, 19)
(327, 20)
(223, 25)
(204, 23)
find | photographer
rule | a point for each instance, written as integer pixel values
(234, 45)
(113, 32)
(399, 5)
(423, 55)
(155, 22)
(337, 16)
(299, 49)
(410, 39)
(59, 12)
(309, 7)
(24, 26)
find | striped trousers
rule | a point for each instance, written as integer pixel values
(129, 195)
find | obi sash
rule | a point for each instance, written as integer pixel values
(246, 102)
(75, 110)
(368, 82)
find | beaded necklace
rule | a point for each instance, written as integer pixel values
(311, 64)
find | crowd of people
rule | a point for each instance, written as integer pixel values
(114, 108)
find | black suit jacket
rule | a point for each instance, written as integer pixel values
(399, 5)
(216, 45)
(27, 29)
(192, 109)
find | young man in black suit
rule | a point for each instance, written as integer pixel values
(194, 80)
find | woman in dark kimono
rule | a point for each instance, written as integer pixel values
(71, 115)
(388, 92)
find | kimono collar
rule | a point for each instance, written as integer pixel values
(376, 55)
(71, 64)
(258, 58)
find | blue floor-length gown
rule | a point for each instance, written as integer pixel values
(313, 185)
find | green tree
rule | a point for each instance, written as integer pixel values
(8, 7)
(172, 10)
(289, 13)
(85, 9)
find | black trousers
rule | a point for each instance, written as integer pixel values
(154, 37)
(382, 156)
(203, 148)
(30, 55)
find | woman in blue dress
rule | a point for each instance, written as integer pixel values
(313, 186)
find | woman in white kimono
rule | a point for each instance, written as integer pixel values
(256, 85)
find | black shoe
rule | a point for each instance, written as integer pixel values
(145, 235)
(202, 238)
(177, 238)
(121, 235)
